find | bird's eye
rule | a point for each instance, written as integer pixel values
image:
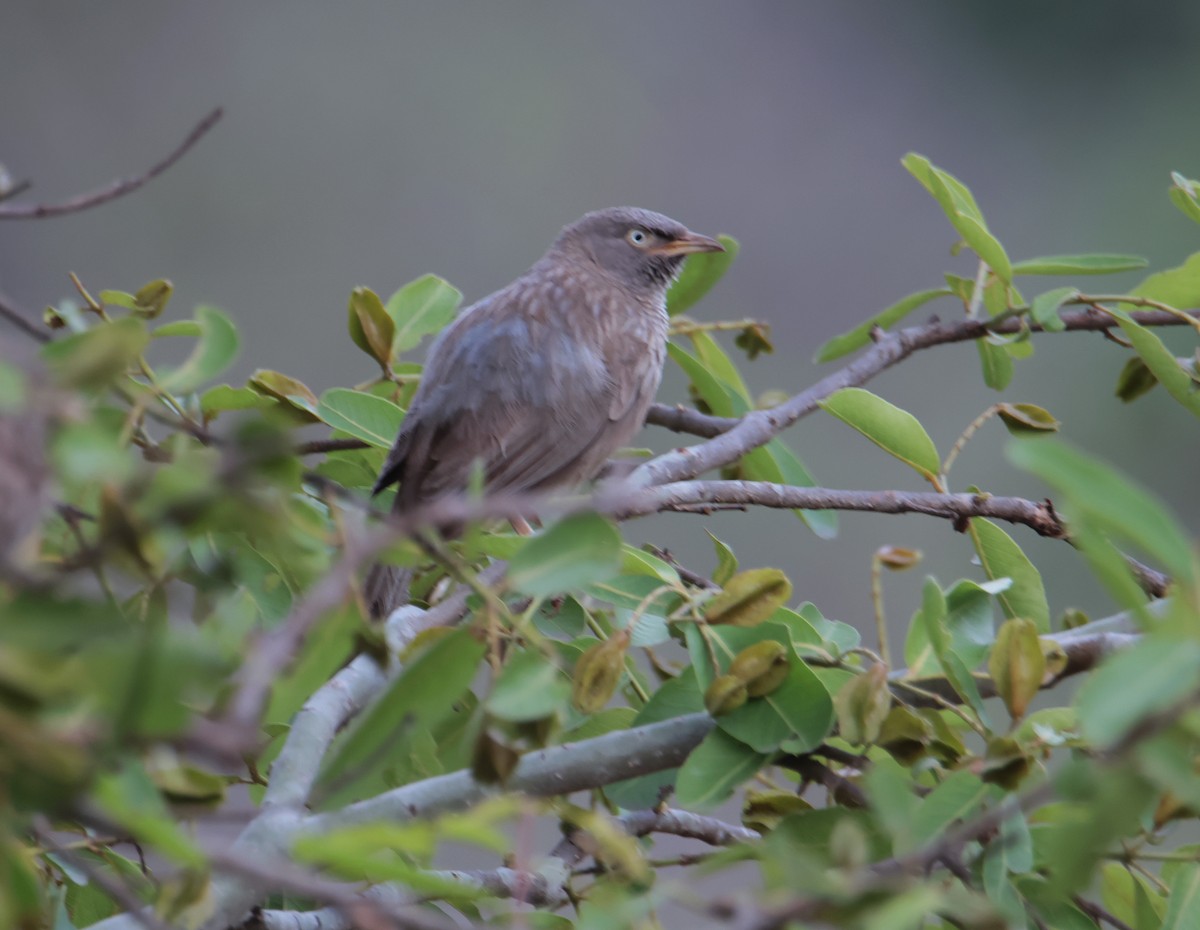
(637, 237)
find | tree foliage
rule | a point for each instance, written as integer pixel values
(185, 643)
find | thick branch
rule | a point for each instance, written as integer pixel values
(118, 188)
(556, 770)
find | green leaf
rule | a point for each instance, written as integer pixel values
(714, 769)
(576, 551)
(421, 307)
(717, 361)
(860, 336)
(177, 328)
(1134, 380)
(716, 395)
(787, 468)
(1185, 194)
(364, 416)
(216, 350)
(958, 795)
(640, 562)
(996, 363)
(1044, 308)
(1001, 557)
(862, 704)
(799, 712)
(371, 329)
(1163, 364)
(291, 391)
(701, 271)
(895, 431)
(529, 687)
(1017, 665)
(1092, 263)
(95, 358)
(423, 695)
(1127, 897)
(226, 397)
(1178, 287)
(1183, 902)
(1142, 680)
(727, 563)
(1027, 419)
(1109, 501)
(962, 211)
(128, 798)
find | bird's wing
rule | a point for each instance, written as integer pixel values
(502, 387)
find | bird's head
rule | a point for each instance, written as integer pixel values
(641, 249)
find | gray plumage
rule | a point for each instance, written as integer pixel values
(543, 380)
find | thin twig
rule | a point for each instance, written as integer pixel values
(118, 188)
(22, 320)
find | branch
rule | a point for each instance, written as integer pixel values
(681, 419)
(1038, 516)
(276, 649)
(335, 702)
(21, 320)
(118, 188)
(553, 771)
(760, 426)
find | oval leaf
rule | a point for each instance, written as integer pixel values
(895, 431)
(421, 307)
(370, 326)
(848, 341)
(216, 350)
(364, 416)
(714, 769)
(1017, 665)
(1001, 557)
(700, 272)
(1044, 308)
(577, 551)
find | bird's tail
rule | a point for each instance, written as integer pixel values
(387, 587)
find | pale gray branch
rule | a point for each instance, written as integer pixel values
(555, 770)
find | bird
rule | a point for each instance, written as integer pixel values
(539, 383)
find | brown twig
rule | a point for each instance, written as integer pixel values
(1098, 913)
(1037, 515)
(118, 890)
(118, 188)
(21, 320)
(319, 446)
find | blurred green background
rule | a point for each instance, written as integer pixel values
(366, 143)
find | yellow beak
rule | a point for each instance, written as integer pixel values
(687, 244)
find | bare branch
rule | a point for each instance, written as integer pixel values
(760, 426)
(118, 188)
(1038, 516)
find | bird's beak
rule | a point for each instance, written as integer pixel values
(687, 244)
